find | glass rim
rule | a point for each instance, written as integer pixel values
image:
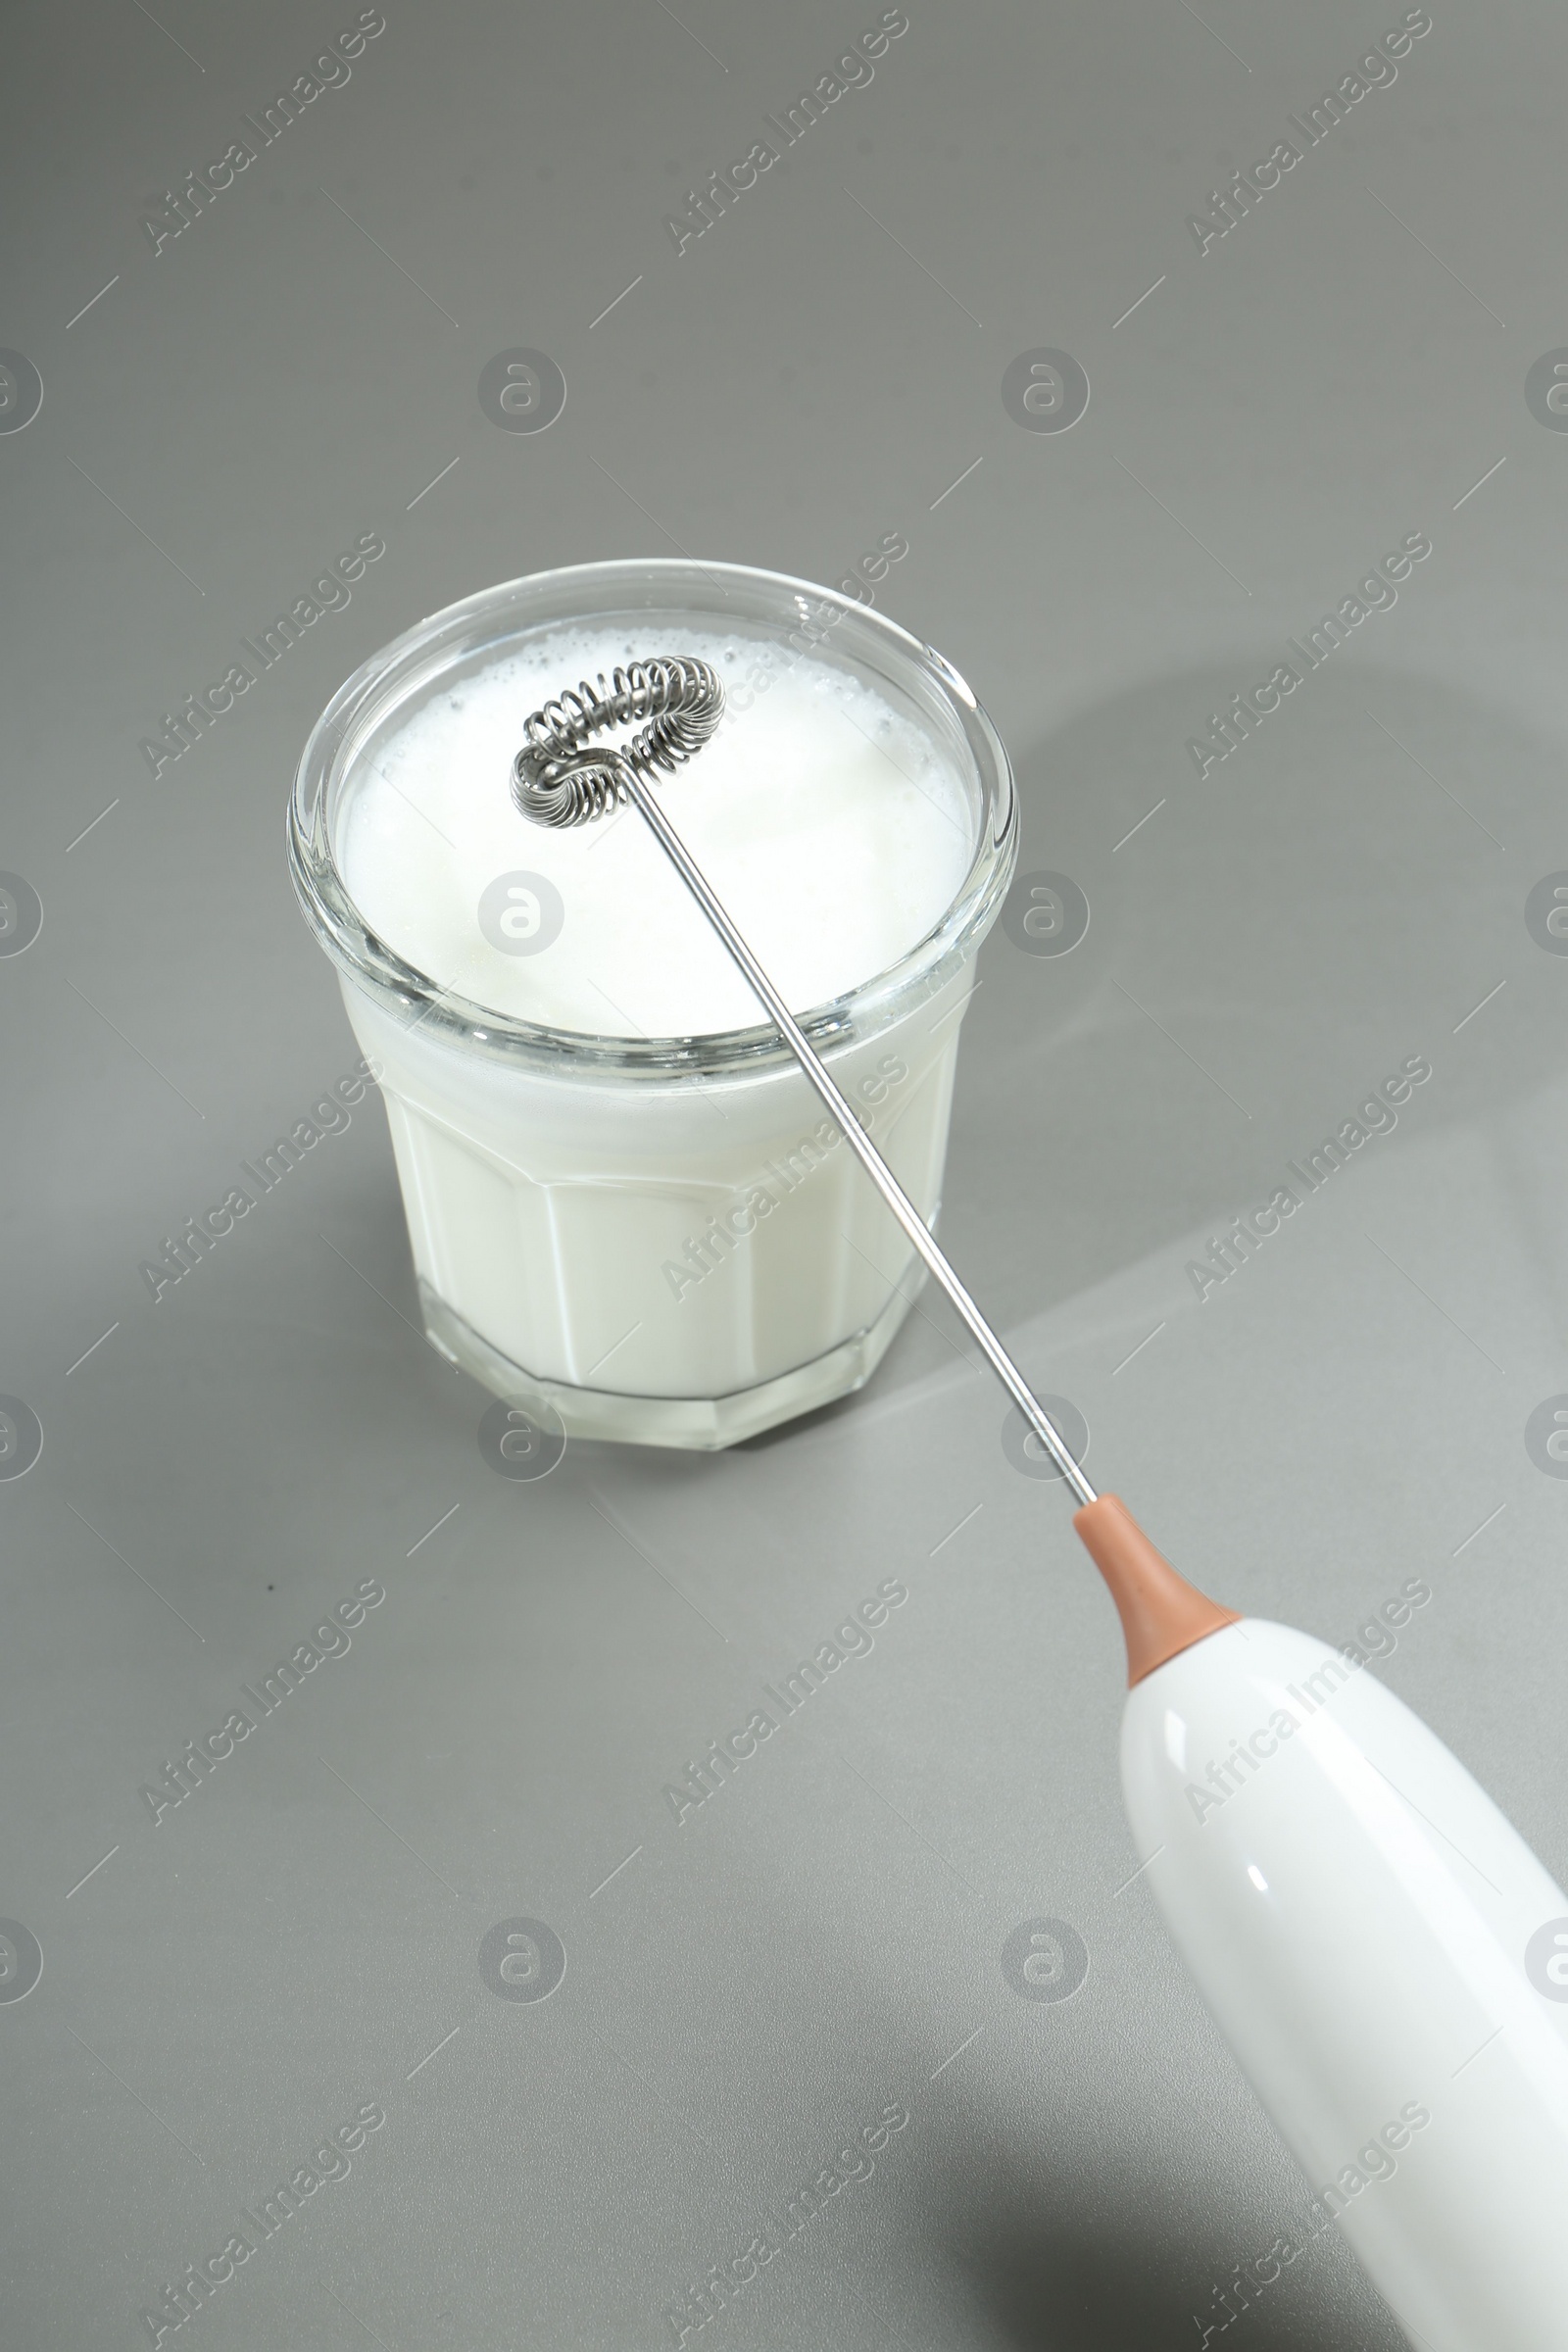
(414, 998)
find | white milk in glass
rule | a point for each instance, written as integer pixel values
(621, 1194)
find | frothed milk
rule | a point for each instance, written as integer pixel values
(826, 822)
(625, 1198)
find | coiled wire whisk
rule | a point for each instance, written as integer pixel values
(563, 778)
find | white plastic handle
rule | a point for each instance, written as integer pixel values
(1375, 1941)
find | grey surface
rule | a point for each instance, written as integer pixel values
(825, 1937)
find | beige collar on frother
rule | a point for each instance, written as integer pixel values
(1162, 1613)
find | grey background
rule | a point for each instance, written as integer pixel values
(825, 1937)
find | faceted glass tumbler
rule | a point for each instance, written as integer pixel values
(661, 1238)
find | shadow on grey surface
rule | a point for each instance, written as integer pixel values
(1097, 2270)
(1336, 895)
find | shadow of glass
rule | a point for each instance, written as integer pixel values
(1333, 896)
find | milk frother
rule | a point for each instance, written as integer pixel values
(1385, 1955)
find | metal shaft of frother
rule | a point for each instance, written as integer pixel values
(563, 778)
(636, 789)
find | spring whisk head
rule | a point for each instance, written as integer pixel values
(561, 776)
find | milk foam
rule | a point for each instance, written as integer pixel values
(827, 821)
